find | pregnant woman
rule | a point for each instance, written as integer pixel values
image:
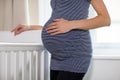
(66, 36)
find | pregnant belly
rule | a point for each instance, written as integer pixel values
(56, 45)
(66, 45)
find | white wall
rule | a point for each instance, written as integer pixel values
(104, 69)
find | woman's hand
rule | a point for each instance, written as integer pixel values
(20, 28)
(59, 26)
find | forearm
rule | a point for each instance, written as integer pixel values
(102, 18)
(96, 22)
(35, 27)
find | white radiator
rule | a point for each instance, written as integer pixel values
(22, 61)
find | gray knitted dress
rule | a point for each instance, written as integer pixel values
(71, 51)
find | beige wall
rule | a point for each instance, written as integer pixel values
(5, 14)
(14, 12)
(1, 14)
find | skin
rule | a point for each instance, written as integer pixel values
(60, 26)
(22, 27)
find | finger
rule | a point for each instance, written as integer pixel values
(13, 29)
(58, 19)
(19, 31)
(50, 28)
(55, 33)
(52, 24)
(52, 31)
(16, 28)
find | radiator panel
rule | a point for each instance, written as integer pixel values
(21, 62)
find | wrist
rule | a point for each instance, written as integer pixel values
(78, 24)
(74, 24)
(34, 27)
(29, 27)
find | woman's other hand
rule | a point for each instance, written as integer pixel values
(20, 28)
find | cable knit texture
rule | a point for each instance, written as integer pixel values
(70, 51)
